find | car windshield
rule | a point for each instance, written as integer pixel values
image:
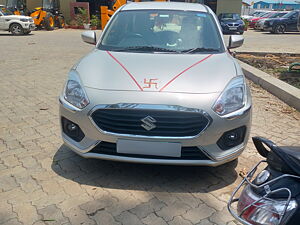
(6, 12)
(263, 14)
(162, 31)
(230, 16)
(258, 13)
(276, 15)
(266, 15)
(288, 15)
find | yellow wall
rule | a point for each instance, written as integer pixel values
(229, 6)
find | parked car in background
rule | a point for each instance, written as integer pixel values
(253, 21)
(160, 87)
(288, 23)
(231, 23)
(255, 14)
(17, 25)
(260, 23)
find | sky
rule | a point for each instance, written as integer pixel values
(274, 0)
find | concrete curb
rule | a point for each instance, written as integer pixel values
(282, 90)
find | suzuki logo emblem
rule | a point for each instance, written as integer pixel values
(148, 123)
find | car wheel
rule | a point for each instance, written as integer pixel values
(49, 22)
(61, 22)
(279, 29)
(16, 29)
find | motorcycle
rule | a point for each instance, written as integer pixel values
(273, 196)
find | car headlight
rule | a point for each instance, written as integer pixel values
(74, 93)
(24, 20)
(232, 98)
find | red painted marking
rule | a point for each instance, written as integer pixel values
(185, 71)
(150, 83)
(132, 77)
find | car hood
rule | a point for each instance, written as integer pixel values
(231, 21)
(262, 20)
(258, 18)
(16, 17)
(183, 73)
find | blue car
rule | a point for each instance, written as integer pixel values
(288, 23)
(231, 23)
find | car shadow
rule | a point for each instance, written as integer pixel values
(287, 33)
(144, 177)
(9, 34)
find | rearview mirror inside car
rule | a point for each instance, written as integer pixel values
(89, 37)
(235, 41)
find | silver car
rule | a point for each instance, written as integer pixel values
(160, 87)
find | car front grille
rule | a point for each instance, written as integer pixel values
(149, 122)
(233, 24)
(187, 153)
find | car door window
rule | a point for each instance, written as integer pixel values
(294, 16)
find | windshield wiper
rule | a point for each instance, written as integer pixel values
(193, 50)
(145, 48)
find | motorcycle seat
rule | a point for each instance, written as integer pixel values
(293, 151)
(291, 155)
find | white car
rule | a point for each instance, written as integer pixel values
(160, 87)
(17, 25)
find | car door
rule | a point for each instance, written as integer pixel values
(292, 22)
(298, 24)
(2, 21)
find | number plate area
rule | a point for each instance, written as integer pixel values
(167, 149)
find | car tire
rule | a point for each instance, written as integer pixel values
(61, 22)
(16, 29)
(49, 22)
(279, 29)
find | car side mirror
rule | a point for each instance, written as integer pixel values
(235, 41)
(89, 37)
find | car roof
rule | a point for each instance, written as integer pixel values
(165, 6)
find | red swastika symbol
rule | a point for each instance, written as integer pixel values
(148, 84)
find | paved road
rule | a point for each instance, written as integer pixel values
(43, 182)
(257, 41)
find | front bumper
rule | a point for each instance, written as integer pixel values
(206, 142)
(252, 24)
(268, 28)
(228, 29)
(28, 26)
(259, 26)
